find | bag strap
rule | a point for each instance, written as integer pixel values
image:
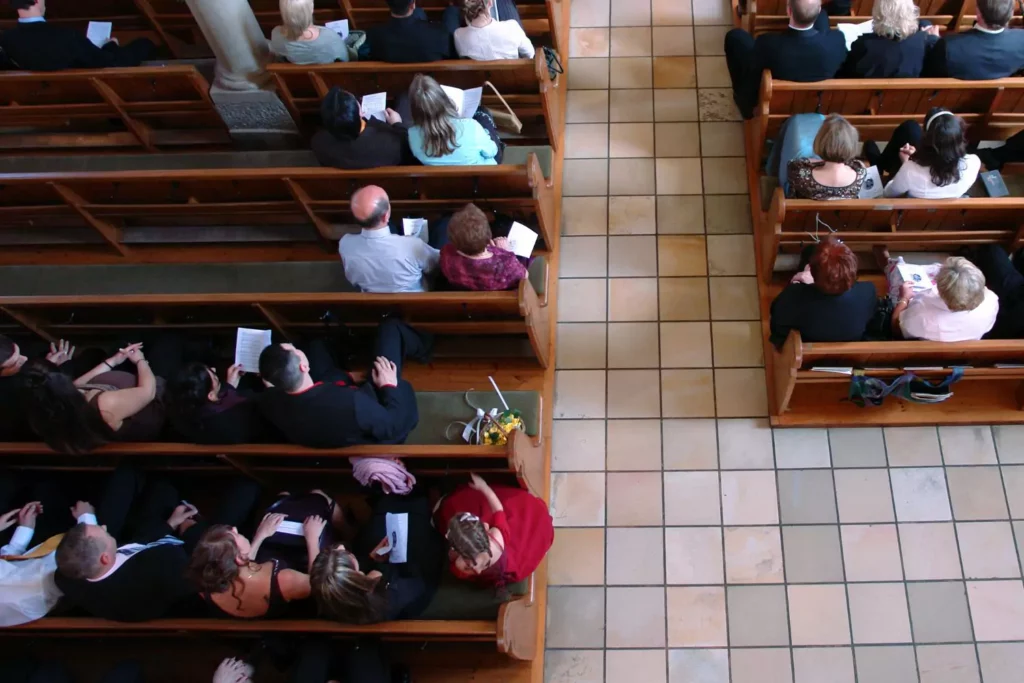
(507, 108)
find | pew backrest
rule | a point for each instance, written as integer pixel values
(763, 16)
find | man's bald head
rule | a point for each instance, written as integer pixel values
(371, 207)
(804, 12)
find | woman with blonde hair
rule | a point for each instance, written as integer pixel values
(896, 46)
(833, 172)
(485, 38)
(299, 41)
(439, 137)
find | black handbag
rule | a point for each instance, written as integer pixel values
(554, 63)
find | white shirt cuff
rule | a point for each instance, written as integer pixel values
(88, 518)
(22, 537)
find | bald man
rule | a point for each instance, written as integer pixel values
(378, 261)
(808, 51)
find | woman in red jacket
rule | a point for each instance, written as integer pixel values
(495, 535)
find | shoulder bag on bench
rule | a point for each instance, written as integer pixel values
(872, 391)
(504, 120)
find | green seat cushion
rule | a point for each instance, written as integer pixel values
(438, 409)
(538, 274)
(461, 600)
(516, 156)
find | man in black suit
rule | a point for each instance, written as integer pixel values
(35, 45)
(409, 37)
(989, 50)
(144, 579)
(809, 50)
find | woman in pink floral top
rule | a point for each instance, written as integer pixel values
(473, 260)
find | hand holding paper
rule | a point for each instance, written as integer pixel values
(98, 32)
(249, 344)
(466, 101)
(522, 240)
(374, 106)
(340, 27)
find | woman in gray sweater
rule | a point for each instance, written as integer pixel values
(300, 42)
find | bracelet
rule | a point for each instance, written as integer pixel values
(108, 365)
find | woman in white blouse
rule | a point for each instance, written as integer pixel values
(933, 164)
(485, 39)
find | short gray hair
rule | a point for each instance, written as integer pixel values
(961, 284)
(297, 16)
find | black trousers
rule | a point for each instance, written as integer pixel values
(743, 70)
(31, 671)
(907, 133)
(1012, 151)
(1002, 276)
(396, 341)
(319, 662)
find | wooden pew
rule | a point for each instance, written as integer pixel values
(232, 214)
(763, 16)
(524, 83)
(149, 109)
(904, 224)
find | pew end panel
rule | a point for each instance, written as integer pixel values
(518, 622)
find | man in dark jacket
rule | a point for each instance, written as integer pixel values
(989, 50)
(809, 50)
(349, 141)
(409, 37)
(35, 45)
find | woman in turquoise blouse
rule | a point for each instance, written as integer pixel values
(438, 137)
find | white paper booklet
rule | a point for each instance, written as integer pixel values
(522, 240)
(340, 27)
(851, 32)
(397, 525)
(921, 278)
(290, 528)
(98, 32)
(872, 187)
(249, 344)
(373, 106)
(416, 227)
(466, 101)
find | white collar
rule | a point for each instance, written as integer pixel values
(797, 28)
(992, 31)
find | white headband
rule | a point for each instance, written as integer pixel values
(928, 123)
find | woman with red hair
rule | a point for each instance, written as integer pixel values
(824, 301)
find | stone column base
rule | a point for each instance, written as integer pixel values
(255, 114)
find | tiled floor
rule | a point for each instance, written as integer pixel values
(694, 545)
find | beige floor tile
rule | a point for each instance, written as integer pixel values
(631, 215)
(587, 106)
(630, 666)
(871, 552)
(757, 616)
(673, 41)
(634, 499)
(687, 393)
(707, 665)
(631, 72)
(725, 175)
(576, 558)
(712, 13)
(634, 41)
(632, 299)
(579, 394)
(584, 216)
(819, 664)
(857, 447)
(712, 72)
(734, 298)
(686, 345)
(997, 609)
(691, 498)
(631, 105)
(631, 13)
(690, 444)
(716, 104)
(813, 554)
(1000, 662)
(912, 446)
(632, 256)
(577, 445)
(582, 300)
(987, 550)
(575, 666)
(753, 555)
(762, 665)
(721, 139)
(864, 496)
(731, 255)
(634, 445)
(578, 499)
(682, 256)
(636, 617)
(671, 12)
(675, 105)
(677, 140)
(584, 178)
(631, 176)
(740, 392)
(636, 393)
(948, 664)
(920, 494)
(680, 215)
(575, 617)
(745, 444)
(588, 73)
(967, 445)
(586, 141)
(711, 40)
(891, 663)
(631, 140)
(976, 493)
(675, 72)
(930, 552)
(738, 344)
(679, 176)
(633, 345)
(580, 346)
(588, 42)
(1013, 480)
(696, 616)
(817, 615)
(693, 555)
(939, 612)
(683, 298)
(749, 498)
(801, 448)
(727, 214)
(589, 13)
(626, 547)
(1009, 443)
(879, 613)
(583, 257)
